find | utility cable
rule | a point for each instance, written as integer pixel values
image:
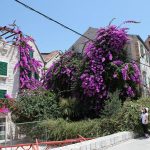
(64, 26)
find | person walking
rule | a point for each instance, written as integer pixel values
(144, 119)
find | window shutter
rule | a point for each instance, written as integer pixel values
(2, 93)
(3, 68)
(29, 74)
(31, 54)
(36, 76)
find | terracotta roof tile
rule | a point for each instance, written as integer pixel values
(48, 56)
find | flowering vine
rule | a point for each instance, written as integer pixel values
(29, 66)
(103, 69)
(7, 104)
(107, 65)
(62, 75)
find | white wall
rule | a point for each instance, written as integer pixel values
(9, 54)
(145, 68)
(36, 53)
(54, 59)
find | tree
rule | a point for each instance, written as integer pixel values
(102, 69)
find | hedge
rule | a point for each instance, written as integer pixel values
(128, 119)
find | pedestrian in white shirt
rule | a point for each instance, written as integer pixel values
(144, 119)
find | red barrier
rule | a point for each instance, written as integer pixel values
(48, 144)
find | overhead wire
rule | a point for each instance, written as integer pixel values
(51, 19)
(64, 26)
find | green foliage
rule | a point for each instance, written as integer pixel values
(128, 118)
(35, 105)
(69, 108)
(112, 106)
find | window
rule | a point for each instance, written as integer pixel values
(3, 68)
(142, 50)
(31, 54)
(29, 74)
(147, 57)
(36, 76)
(144, 78)
(2, 93)
(2, 128)
(149, 82)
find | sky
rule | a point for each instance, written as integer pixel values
(76, 14)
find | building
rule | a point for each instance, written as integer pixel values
(9, 80)
(147, 42)
(137, 50)
(50, 58)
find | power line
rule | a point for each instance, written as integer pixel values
(64, 26)
(51, 19)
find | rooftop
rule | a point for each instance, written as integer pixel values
(48, 56)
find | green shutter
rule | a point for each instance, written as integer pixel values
(3, 68)
(31, 54)
(29, 74)
(2, 93)
(36, 76)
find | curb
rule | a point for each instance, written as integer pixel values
(100, 143)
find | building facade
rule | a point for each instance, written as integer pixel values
(50, 58)
(9, 57)
(10, 79)
(138, 50)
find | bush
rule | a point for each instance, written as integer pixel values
(112, 106)
(127, 119)
(130, 114)
(35, 105)
(69, 108)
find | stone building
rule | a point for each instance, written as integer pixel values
(50, 58)
(9, 80)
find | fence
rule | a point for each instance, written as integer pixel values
(30, 135)
(28, 132)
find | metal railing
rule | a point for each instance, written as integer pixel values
(28, 132)
(30, 136)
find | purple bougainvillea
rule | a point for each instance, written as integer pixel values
(27, 64)
(63, 74)
(103, 69)
(106, 64)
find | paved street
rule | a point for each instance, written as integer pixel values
(135, 144)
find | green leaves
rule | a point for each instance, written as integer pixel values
(36, 105)
(112, 105)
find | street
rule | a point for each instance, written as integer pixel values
(135, 144)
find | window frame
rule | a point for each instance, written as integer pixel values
(142, 50)
(144, 74)
(5, 76)
(5, 93)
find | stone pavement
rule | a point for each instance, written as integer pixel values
(134, 144)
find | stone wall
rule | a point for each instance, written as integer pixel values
(100, 143)
(9, 54)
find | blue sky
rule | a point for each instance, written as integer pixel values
(77, 14)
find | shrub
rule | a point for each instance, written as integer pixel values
(127, 119)
(35, 105)
(112, 106)
(102, 69)
(69, 108)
